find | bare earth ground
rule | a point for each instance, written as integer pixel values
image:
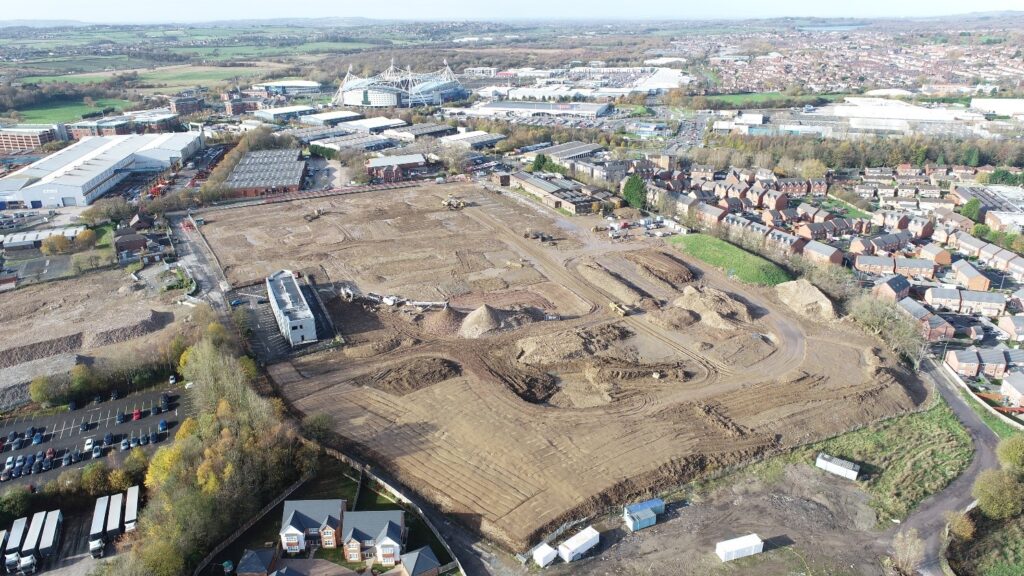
(531, 423)
(87, 314)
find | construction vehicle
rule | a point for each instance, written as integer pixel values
(314, 214)
(453, 203)
(618, 309)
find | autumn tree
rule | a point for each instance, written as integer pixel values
(1011, 453)
(907, 552)
(1000, 494)
(85, 239)
(56, 244)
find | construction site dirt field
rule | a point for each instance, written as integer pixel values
(565, 376)
(85, 314)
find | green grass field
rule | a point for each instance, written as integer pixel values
(254, 51)
(731, 259)
(755, 98)
(66, 111)
(903, 460)
(175, 76)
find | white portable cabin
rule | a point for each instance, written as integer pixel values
(544, 555)
(837, 466)
(577, 546)
(739, 547)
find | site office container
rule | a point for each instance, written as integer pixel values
(739, 547)
(575, 547)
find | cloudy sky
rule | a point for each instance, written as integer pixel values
(205, 10)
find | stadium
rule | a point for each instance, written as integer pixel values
(395, 88)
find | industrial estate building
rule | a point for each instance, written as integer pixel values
(365, 142)
(267, 171)
(84, 171)
(30, 136)
(399, 88)
(283, 113)
(288, 88)
(522, 108)
(331, 118)
(294, 317)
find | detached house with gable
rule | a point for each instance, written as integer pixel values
(376, 535)
(308, 523)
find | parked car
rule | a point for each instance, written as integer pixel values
(125, 444)
(50, 452)
(5, 475)
(11, 437)
(108, 439)
(38, 467)
(237, 302)
(88, 444)
(172, 380)
(47, 464)
(37, 439)
(113, 394)
(165, 402)
(76, 456)
(97, 451)
(18, 470)
(30, 460)
(119, 418)
(135, 442)
(154, 437)
(30, 432)
(155, 410)
(83, 426)
(19, 461)
(162, 426)
(136, 415)
(67, 460)
(18, 443)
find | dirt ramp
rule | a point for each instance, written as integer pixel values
(662, 268)
(140, 327)
(37, 350)
(611, 283)
(480, 321)
(805, 299)
(411, 376)
(716, 309)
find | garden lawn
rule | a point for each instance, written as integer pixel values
(731, 259)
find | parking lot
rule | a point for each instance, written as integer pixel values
(65, 433)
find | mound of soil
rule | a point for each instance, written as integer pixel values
(414, 375)
(805, 299)
(479, 322)
(715, 308)
(443, 323)
(562, 347)
(674, 318)
(661, 268)
(142, 326)
(65, 344)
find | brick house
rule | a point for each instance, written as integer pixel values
(969, 245)
(306, 523)
(921, 227)
(969, 277)
(915, 267)
(964, 362)
(420, 562)
(988, 304)
(936, 253)
(893, 289)
(1014, 326)
(821, 253)
(1013, 388)
(943, 298)
(933, 327)
(376, 535)
(709, 215)
(878, 265)
(775, 200)
(992, 362)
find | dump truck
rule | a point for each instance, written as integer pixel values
(114, 516)
(131, 509)
(13, 547)
(30, 548)
(97, 533)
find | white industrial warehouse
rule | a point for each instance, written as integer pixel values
(84, 171)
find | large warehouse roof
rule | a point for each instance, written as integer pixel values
(87, 159)
(267, 169)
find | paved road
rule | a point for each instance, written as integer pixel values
(930, 517)
(63, 433)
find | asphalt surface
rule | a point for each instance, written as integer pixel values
(929, 519)
(62, 431)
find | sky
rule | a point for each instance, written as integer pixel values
(206, 10)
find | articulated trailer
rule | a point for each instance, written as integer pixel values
(51, 534)
(12, 551)
(30, 548)
(114, 525)
(97, 532)
(131, 509)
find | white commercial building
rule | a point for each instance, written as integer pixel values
(84, 171)
(999, 106)
(739, 547)
(575, 547)
(526, 109)
(330, 118)
(294, 318)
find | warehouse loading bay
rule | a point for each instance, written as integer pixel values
(531, 371)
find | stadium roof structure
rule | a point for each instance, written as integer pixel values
(414, 87)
